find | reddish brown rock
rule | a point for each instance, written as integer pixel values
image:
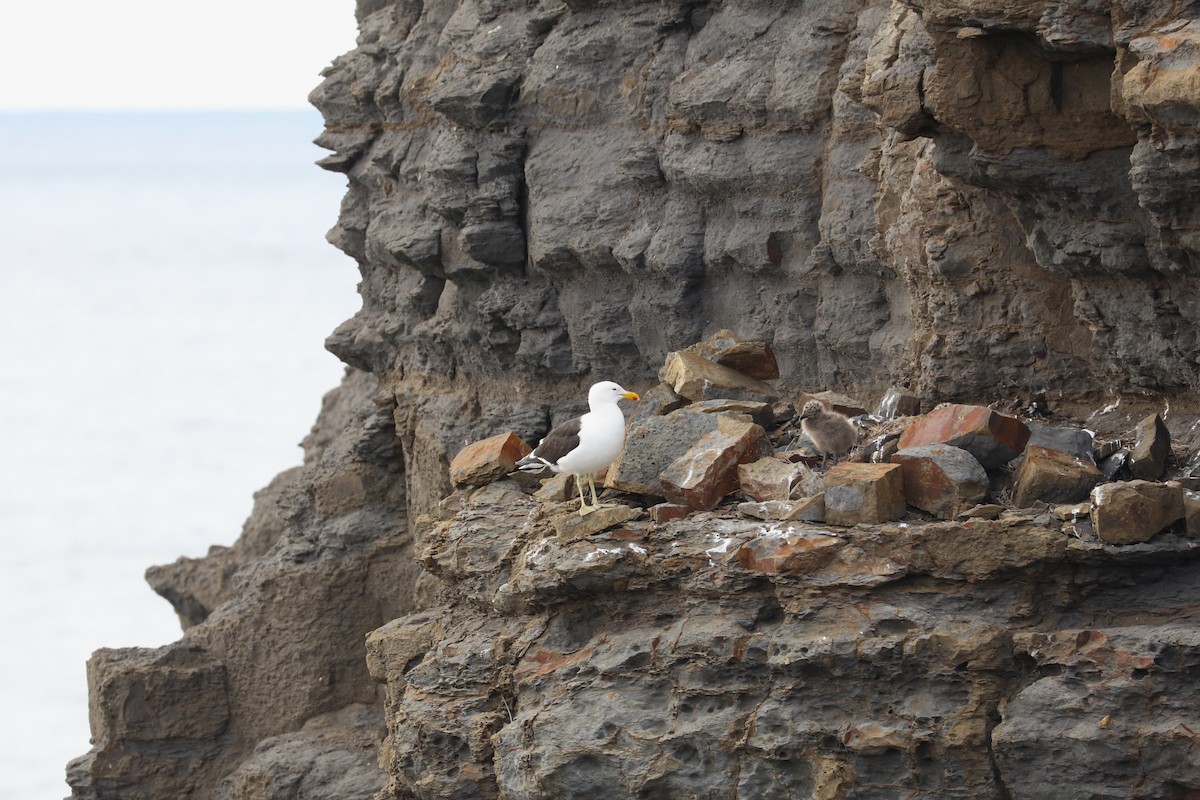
(752, 359)
(1052, 476)
(1148, 459)
(668, 512)
(702, 476)
(696, 378)
(863, 493)
(787, 552)
(994, 439)
(1133, 511)
(941, 479)
(484, 461)
(776, 479)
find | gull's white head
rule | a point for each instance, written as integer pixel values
(608, 392)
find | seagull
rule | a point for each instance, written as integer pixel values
(830, 432)
(585, 445)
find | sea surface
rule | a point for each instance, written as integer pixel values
(165, 291)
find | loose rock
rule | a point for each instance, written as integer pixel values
(839, 403)
(994, 439)
(941, 479)
(651, 445)
(1133, 511)
(702, 476)
(1053, 476)
(484, 461)
(752, 359)
(776, 479)
(810, 509)
(863, 493)
(696, 378)
(1148, 459)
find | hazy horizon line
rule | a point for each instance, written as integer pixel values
(157, 109)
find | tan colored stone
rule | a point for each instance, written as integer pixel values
(1052, 476)
(752, 359)
(572, 527)
(864, 493)
(391, 647)
(775, 479)
(484, 461)
(941, 479)
(1134, 511)
(143, 695)
(994, 439)
(556, 489)
(696, 378)
(985, 511)
(810, 509)
(702, 476)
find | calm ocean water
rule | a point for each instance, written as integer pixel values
(165, 289)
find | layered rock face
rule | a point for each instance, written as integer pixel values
(973, 200)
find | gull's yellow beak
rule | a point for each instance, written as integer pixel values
(630, 395)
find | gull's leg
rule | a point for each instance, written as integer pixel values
(595, 497)
(582, 496)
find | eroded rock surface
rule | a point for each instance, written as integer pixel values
(970, 202)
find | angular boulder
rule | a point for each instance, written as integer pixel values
(707, 472)
(776, 479)
(663, 513)
(484, 461)
(1148, 459)
(941, 479)
(809, 509)
(651, 444)
(696, 378)
(144, 695)
(752, 359)
(1053, 476)
(1072, 441)
(657, 401)
(1133, 511)
(864, 494)
(993, 438)
(761, 413)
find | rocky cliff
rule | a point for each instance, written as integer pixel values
(976, 201)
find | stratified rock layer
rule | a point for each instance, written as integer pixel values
(976, 201)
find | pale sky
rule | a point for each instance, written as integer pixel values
(123, 54)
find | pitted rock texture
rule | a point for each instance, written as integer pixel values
(964, 199)
(715, 657)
